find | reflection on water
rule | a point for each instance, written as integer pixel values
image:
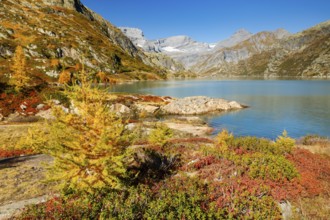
(298, 106)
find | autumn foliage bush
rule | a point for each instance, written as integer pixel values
(6, 153)
(160, 135)
(314, 170)
(25, 103)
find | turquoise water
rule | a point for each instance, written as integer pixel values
(297, 106)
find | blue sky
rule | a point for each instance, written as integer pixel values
(211, 20)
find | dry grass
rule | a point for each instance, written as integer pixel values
(312, 208)
(10, 134)
(315, 144)
(23, 178)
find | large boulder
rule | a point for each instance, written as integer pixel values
(286, 209)
(192, 129)
(199, 105)
(46, 114)
(120, 109)
(145, 108)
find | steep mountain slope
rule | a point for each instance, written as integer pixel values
(223, 58)
(273, 54)
(59, 34)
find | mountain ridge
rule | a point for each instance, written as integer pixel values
(263, 54)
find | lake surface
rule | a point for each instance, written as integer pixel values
(297, 106)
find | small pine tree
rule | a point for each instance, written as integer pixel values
(88, 143)
(20, 78)
(222, 140)
(160, 135)
(102, 77)
(284, 144)
(65, 77)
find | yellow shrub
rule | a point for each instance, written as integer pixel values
(160, 135)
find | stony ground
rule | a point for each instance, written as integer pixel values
(21, 182)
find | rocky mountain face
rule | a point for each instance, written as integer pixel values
(153, 51)
(233, 51)
(137, 37)
(273, 54)
(60, 34)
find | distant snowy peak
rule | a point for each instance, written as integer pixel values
(181, 44)
(171, 49)
(137, 37)
(211, 46)
(175, 41)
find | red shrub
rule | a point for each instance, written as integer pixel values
(23, 103)
(14, 153)
(314, 170)
(151, 98)
(191, 140)
(205, 161)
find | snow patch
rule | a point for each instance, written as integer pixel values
(171, 49)
(212, 46)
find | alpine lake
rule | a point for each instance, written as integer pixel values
(301, 107)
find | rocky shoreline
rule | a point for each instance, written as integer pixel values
(183, 111)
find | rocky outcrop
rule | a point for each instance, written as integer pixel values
(120, 109)
(70, 4)
(137, 37)
(146, 109)
(286, 209)
(199, 105)
(192, 129)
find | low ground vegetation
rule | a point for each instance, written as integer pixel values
(116, 172)
(195, 179)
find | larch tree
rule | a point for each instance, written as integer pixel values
(89, 142)
(19, 78)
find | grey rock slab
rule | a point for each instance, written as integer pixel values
(199, 105)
